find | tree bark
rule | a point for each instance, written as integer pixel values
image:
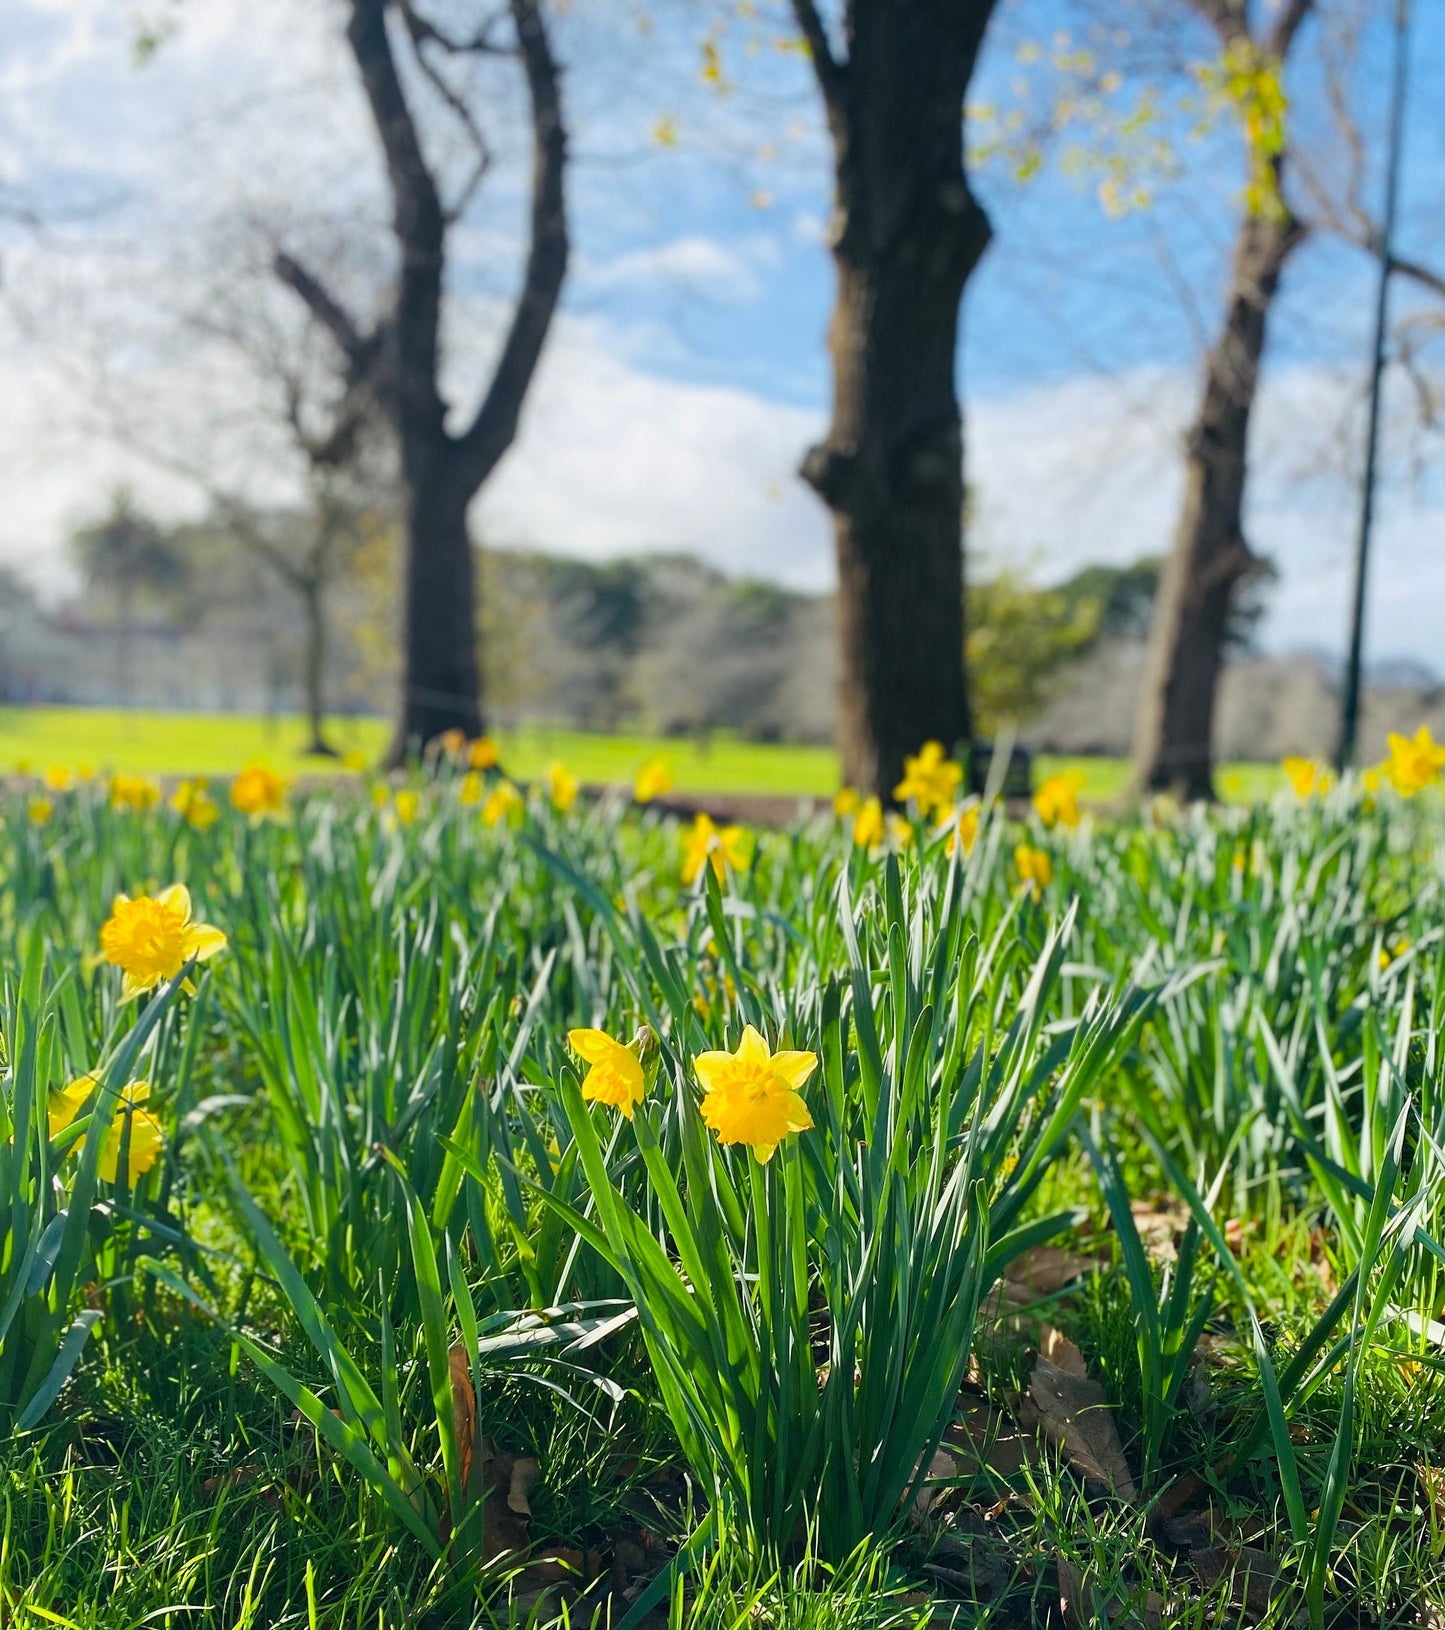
(907, 235)
(1174, 730)
(313, 601)
(442, 471)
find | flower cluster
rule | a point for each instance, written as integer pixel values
(751, 1096)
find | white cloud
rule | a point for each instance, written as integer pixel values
(732, 272)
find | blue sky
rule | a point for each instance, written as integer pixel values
(689, 372)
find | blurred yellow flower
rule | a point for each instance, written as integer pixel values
(502, 802)
(615, 1076)
(899, 831)
(408, 802)
(452, 742)
(59, 779)
(1414, 762)
(1034, 867)
(1307, 776)
(846, 801)
(194, 804)
(930, 778)
(134, 792)
(152, 939)
(868, 826)
(753, 1095)
(561, 786)
(258, 791)
(962, 829)
(471, 790)
(142, 1142)
(379, 795)
(1057, 800)
(654, 780)
(41, 809)
(708, 844)
(1387, 956)
(355, 761)
(482, 754)
(64, 1103)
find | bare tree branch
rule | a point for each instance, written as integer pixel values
(358, 348)
(829, 70)
(494, 427)
(1287, 25)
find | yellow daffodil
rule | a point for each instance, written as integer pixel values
(753, 1095)
(134, 792)
(194, 804)
(1034, 867)
(502, 802)
(846, 801)
(562, 786)
(1056, 803)
(58, 779)
(41, 809)
(654, 780)
(615, 1076)
(407, 803)
(64, 1103)
(482, 754)
(258, 791)
(452, 743)
(869, 829)
(471, 790)
(1414, 762)
(1387, 956)
(930, 778)
(709, 844)
(151, 939)
(142, 1143)
(1307, 776)
(961, 829)
(899, 831)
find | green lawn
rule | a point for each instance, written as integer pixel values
(218, 744)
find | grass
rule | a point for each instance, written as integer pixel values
(380, 1309)
(205, 744)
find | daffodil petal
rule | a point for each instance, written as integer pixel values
(202, 941)
(794, 1068)
(176, 898)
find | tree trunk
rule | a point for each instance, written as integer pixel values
(441, 685)
(907, 235)
(313, 602)
(1174, 730)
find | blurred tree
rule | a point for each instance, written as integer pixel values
(1210, 558)
(1019, 637)
(442, 470)
(127, 557)
(906, 235)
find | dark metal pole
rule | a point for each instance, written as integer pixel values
(1350, 708)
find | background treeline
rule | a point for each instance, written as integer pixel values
(661, 643)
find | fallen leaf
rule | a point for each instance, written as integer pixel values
(1071, 1412)
(943, 1468)
(525, 1472)
(1059, 1350)
(464, 1409)
(1046, 1269)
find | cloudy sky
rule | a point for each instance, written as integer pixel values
(687, 373)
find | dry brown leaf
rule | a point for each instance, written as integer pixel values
(1071, 1411)
(464, 1409)
(1059, 1350)
(525, 1472)
(1048, 1268)
(986, 1436)
(506, 1530)
(943, 1468)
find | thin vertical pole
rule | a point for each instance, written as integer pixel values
(1350, 706)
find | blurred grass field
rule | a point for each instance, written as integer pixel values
(100, 740)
